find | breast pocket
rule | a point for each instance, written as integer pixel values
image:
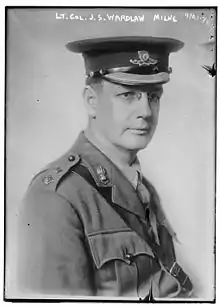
(120, 257)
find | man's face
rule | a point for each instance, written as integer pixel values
(127, 116)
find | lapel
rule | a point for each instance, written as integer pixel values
(122, 191)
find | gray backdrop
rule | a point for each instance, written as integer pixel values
(45, 113)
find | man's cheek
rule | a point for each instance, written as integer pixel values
(120, 116)
(104, 115)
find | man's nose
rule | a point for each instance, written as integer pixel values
(144, 108)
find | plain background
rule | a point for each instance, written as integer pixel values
(45, 113)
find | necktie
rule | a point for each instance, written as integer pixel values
(133, 173)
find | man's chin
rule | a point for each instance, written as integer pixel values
(137, 142)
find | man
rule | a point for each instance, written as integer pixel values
(91, 224)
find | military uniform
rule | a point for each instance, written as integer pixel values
(72, 242)
(84, 229)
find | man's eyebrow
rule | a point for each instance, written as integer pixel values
(152, 89)
(159, 90)
(140, 87)
(149, 88)
(125, 87)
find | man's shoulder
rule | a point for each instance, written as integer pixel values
(52, 174)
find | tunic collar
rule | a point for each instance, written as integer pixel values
(123, 192)
(132, 172)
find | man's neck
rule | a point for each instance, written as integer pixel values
(118, 155)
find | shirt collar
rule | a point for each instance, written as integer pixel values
(133, 172)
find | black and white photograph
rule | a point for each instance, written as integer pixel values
(110, 144)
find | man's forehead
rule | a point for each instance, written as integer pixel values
(143, 88)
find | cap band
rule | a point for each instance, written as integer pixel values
(141, 62)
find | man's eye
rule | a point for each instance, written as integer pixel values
(129, 95)
(154, 97)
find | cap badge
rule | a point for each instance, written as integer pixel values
(144, 59)
(102, 174)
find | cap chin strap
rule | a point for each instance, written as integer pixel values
(126, 69)
(103, 72)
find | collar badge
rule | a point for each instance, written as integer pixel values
(144, 59)
(101, 171)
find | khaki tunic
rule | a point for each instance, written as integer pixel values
(73, 243)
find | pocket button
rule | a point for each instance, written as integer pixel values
(129, 258)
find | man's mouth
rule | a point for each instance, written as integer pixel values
(140, 131)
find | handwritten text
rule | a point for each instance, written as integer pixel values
(165, 17)
(99, 17)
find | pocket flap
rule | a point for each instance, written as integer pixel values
(116, 245)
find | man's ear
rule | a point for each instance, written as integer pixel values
(90, 100)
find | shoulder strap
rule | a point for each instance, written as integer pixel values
(141, 228)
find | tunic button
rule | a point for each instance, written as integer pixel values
(71, 158)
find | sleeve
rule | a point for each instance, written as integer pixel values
(52, 251)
